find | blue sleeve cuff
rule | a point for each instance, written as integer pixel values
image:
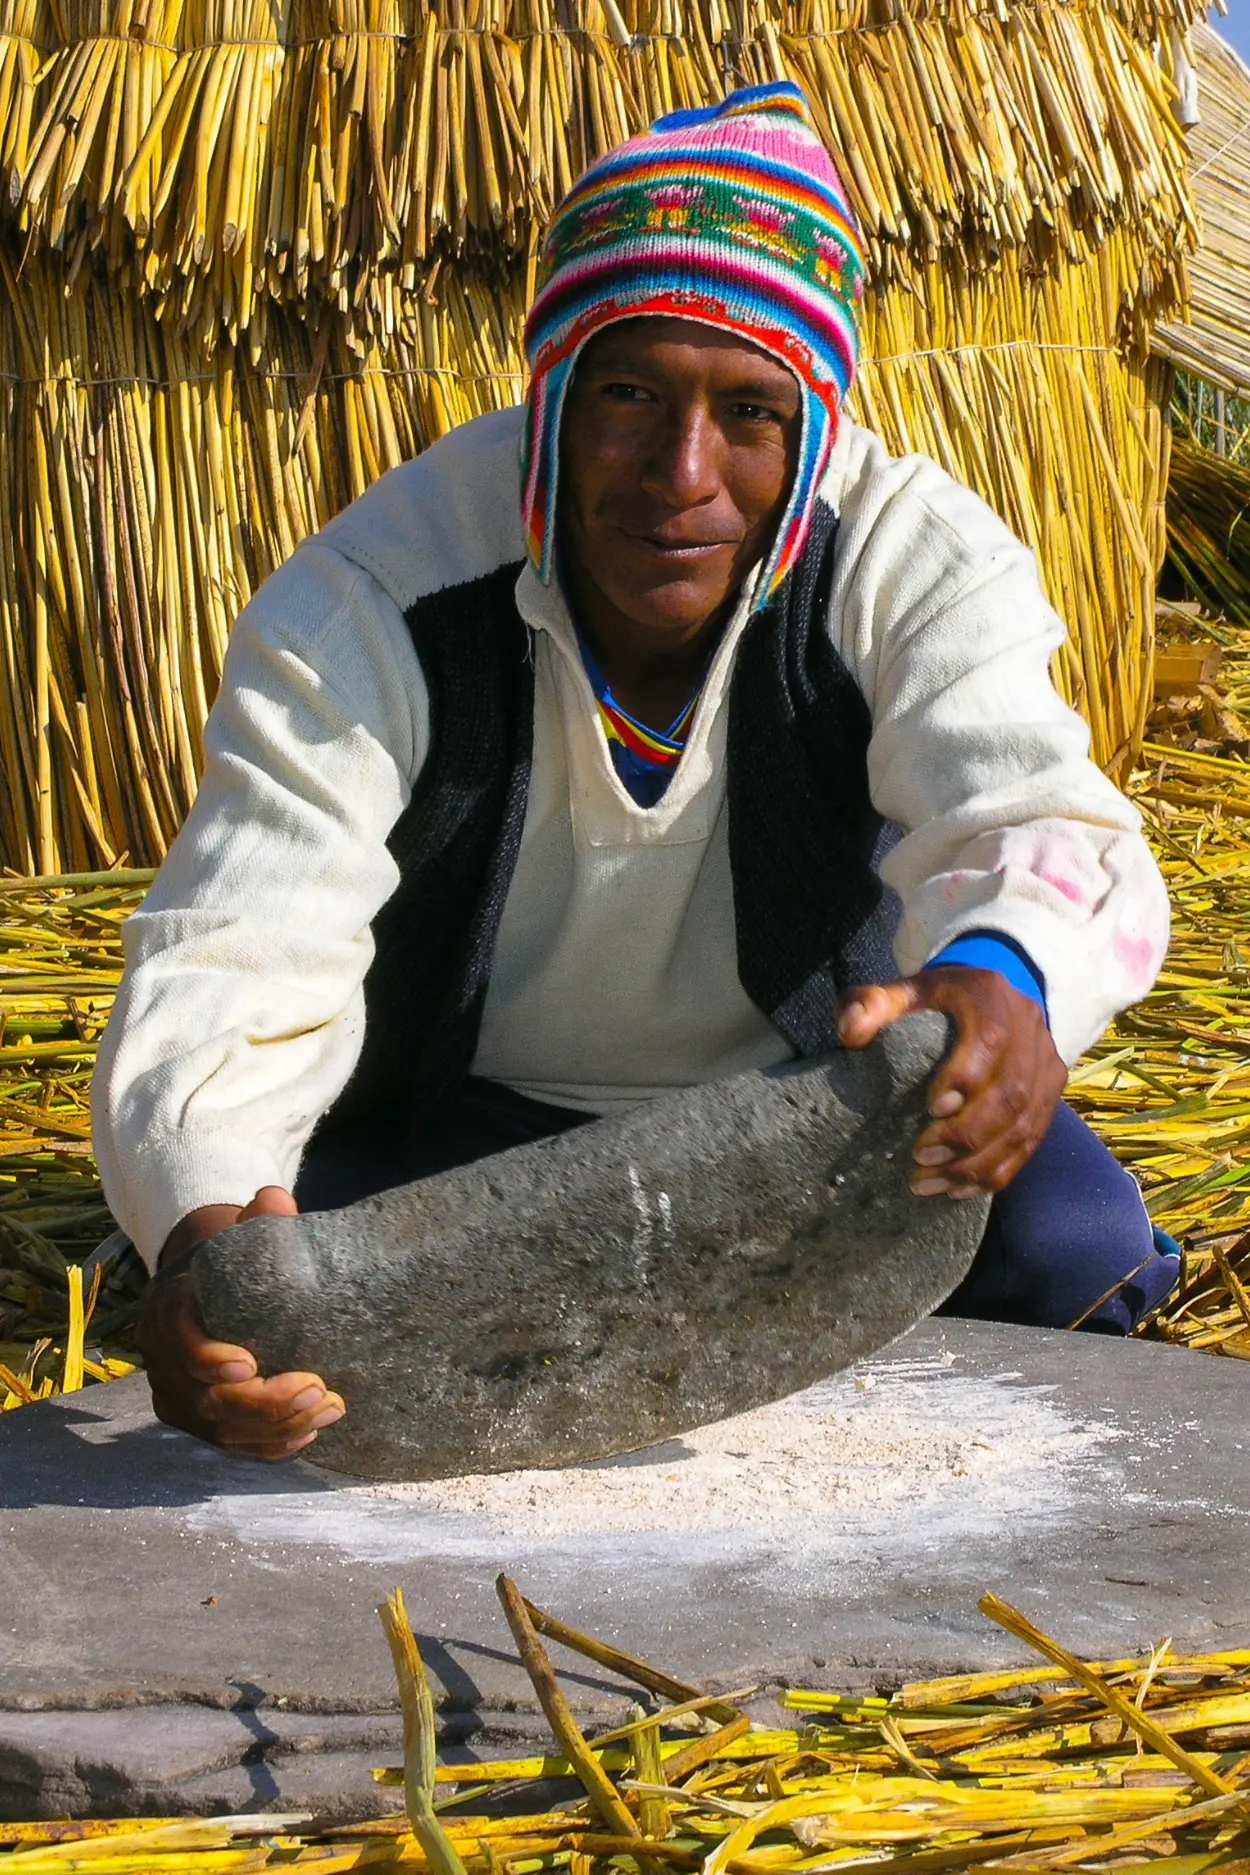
(991, 950)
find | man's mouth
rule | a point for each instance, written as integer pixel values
(678, 549)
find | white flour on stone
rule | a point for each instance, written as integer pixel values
(906, 1455)
(848, 1446)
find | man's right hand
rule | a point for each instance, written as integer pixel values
(211, 1388)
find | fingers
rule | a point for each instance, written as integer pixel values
(282, 1397)
(271, 1418)
(272, 1454)
(874, 1006)
(982, 1151)
(270, 1201)
(980, 1083)
(213, 1389)
(994, 1097)
(280, 1438)
(996, 1094)
(259, 1418)
(987, 1126)
(173, 1336)
(216, 1362)
(204, 1359)
(207, 1361)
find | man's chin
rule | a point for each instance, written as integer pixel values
(678, 601)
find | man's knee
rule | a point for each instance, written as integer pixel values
(1068, 1243)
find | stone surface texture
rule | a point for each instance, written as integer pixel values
(626, 1281)
(183, 1631)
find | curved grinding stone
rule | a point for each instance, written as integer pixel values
(616, 1285)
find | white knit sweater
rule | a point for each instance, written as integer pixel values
(240, 1016)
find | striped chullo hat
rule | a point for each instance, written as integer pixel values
(733, 217)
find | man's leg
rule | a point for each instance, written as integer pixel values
(366, 1157)
(1069, 1227)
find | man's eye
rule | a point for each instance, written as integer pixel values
(627, 393)
(756, 413)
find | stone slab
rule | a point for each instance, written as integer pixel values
(618, 1284)
(838, 1538)
(172, 1759)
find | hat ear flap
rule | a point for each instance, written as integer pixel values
(817, 436)
(540, 460)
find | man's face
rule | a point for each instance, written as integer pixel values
(678, 448)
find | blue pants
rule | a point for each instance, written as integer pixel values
(1069, 1228)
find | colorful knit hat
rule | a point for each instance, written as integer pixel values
(734, 217)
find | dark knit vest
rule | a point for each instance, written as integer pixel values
(811, 914)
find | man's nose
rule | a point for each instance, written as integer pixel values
(684, 464)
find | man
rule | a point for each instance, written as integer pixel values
(519, 811)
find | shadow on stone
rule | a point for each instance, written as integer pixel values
(68, 1455)
(266, 1792)
(667, 1452)
(463, 1692)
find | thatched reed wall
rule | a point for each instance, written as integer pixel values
(259, 250)
(1215, 341)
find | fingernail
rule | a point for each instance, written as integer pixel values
(929, 1187)
(309, 1397)
(331, 1414)
(297, 1445)
(933, 1155)
(230, 1371)
(963, 1191)
(946, 1104)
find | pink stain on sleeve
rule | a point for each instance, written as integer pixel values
(1137, 955)
(1075, 893)
(954, 885)
(1057, 857)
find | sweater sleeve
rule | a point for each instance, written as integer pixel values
(240, 1014)
(1009, 826)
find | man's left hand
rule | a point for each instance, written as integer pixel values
(993, 1099)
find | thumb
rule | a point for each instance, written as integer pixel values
(873, 1007)
(270, 1201)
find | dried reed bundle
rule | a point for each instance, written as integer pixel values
(1208, 508)
(295, 245)
(71, 1362)
(1064, 438)
(1213, 342)
(312, 147)
(159, 488)
(1061, 1764)
(156, 492)
(1169, 1086)
(93, 100)
(25, 31)
(60, 961)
